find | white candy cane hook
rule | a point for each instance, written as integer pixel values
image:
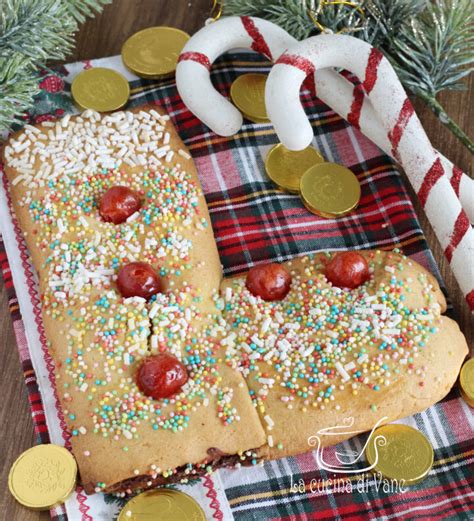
(409, 143)
(194, 65)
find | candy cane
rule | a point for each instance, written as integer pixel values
(194, 65)
(351, 103)
(219, 114)
(409, 143)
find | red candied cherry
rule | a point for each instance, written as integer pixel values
(138, 279)
(269, 281)
(161, 376)
(118, 204)
(347, 269)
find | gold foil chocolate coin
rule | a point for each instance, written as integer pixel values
(466, 379)
(153, 53)
(43, 476)
(285, 167)
(162, 505)
(248, 95)
(100, 89)
(261, 121)
(329, 190)
(406, 454)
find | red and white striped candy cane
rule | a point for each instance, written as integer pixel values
(218, 113)
(408, 141)
(351, 103)
(194, 65)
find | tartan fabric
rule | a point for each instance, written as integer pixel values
(253, 221)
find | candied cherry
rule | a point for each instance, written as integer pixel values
(269, 281)
(118, 204)
(347, 269)
(138, 279)
(161, 376)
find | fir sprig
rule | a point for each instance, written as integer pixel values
(429, 42)
(32, 32)
(435, 51)
(385, 19)
(82, 9)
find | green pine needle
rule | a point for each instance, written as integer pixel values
(33, 32)
(385, 19)
(293, 15)
(435, 51)
(82, 9)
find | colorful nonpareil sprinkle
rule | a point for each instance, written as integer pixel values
(302, 350)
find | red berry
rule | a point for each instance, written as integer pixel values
(52, 84)
(161, 376)
(118, 204)
(269, 281)
(347, 270)
(43, 117)
(138, 279)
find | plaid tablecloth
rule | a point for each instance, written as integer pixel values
(252, 220)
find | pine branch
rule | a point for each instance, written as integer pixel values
(33, 32)
(35, 29)
(386, 19)
(17, 89)
(438, 109)
(298, 23)
(291, 15)
(82, 9)
(435, 51)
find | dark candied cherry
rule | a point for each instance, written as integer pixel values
(161, 376)
(138, 279)
(118, 204)
(269, 281)
(347, 269)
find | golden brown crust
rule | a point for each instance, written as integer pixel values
(418, 386)
(106, 462)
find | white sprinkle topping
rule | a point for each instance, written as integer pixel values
(184, 154)
(391, 331)
(83, 221)
(133, 217)
(306, 352)
(265, 325)
(269, 420)
(153, 310)
(340, 369)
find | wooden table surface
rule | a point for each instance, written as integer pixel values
(103, 36)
